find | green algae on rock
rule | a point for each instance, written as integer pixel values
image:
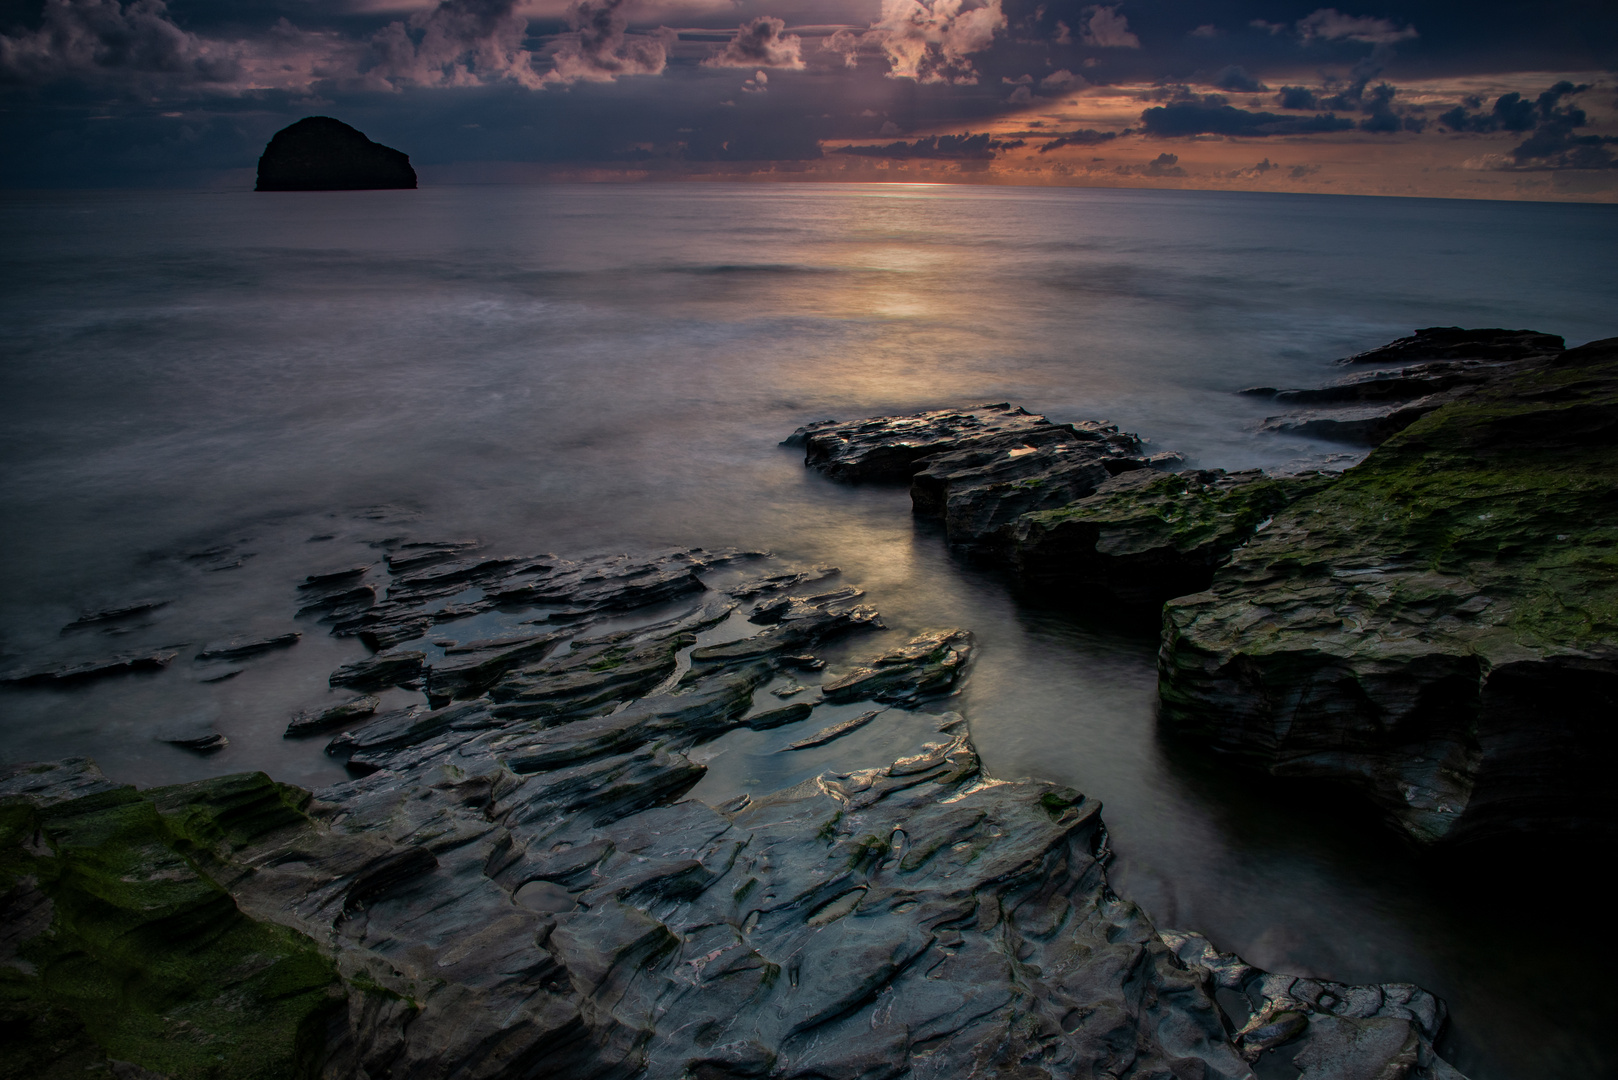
(1146, 536)
(1440, 624)
(121, 947)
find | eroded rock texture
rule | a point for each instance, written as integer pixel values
(1440, 624)
(516, 884)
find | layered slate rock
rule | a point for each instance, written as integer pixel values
(319, 153)
(890, 448)
(121, 948)
(503, 894)
(1440, 365)
(1438, 626)
(87, 670)
(977, 469)
(1146, 536)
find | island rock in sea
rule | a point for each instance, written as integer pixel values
(321, 154)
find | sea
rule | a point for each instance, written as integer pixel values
(205, 396)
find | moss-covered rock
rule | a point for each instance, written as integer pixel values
(1440, 624)
(121, 947)
(1145, 536)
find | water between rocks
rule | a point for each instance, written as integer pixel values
(204, 397)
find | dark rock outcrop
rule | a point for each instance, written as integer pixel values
(978, 469)
(1440, 624)
(1456, 343)
(321, 154)
(1146, 536)
(1443, 364)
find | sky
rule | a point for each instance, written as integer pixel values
(1383, 97)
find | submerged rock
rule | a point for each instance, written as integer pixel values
(84, 671)
(1440, 624)
(319, 153)
(115, 614)
(242, 648)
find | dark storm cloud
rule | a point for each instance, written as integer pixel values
(1195, 118)
(98, 40)
(1235, 77)
(1082, 137)
(1553, 143)
(761, 43)
(966, 147)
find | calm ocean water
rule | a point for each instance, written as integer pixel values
(192, 386)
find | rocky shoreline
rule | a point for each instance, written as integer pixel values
(1436, 626)
(515, 883)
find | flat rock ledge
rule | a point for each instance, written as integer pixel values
(517, 884)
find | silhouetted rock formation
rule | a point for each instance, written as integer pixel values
(321, 154)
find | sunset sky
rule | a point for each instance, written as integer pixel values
(1480, 100)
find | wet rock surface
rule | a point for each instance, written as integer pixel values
(517, 885)
(1440, 624)
(1437, 626)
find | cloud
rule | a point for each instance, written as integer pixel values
(1206, 30)
(1553, 144)
(930, 40)
(1236, 78)
(846, 43)
(1297, 97)
(1082, 137)
(1329, 24)
(967, 147)
(1164, 165)
(1107, 29)
(600, 48)
(1062, 79)
(97, 40)
(1190, 118)
(1513, 112)
(760, 43)
(457, 43)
